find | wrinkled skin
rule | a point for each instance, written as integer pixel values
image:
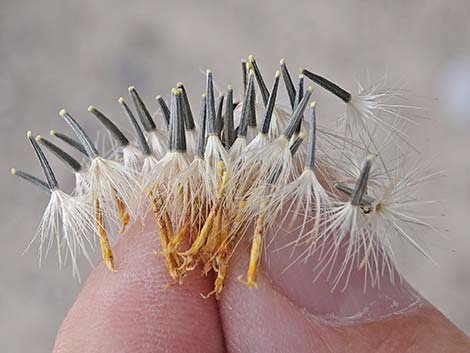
(131, 311)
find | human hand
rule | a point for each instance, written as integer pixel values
(133, 311)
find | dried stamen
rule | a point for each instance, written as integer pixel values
(106, 252)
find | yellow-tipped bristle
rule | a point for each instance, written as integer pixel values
(62, 113)
(13, 171)
(121, 100)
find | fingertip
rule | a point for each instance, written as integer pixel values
(133, 310)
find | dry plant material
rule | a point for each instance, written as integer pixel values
(246, 171)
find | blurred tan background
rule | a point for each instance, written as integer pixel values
(56, 54)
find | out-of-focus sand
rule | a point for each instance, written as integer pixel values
(56, 54)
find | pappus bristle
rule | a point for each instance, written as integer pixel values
(214, 151)
(306, 201)
(372, 111)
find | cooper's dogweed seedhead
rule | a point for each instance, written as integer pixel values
(248, 172)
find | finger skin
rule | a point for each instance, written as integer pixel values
(131, 311)
(357, 301)
(263, 320)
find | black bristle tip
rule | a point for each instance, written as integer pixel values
(361, 184)
(219, 113)
(297, 115)
(46, 167)
(187, 113)
(259, 78)
(31, 179)
(201, 136)
(164, 108)
(117, 134)
(229, 130)
(289, 84)
(294, 147)
(247, 107)
(328, 85)
(142, 111)
(69, 141)
(179, 134)
(271, 104)
(90, 148)
(366, 199)
(63, 156)
(210, 106)
(298, 98)
(311, 144)
(144, 146)
(244, 75)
